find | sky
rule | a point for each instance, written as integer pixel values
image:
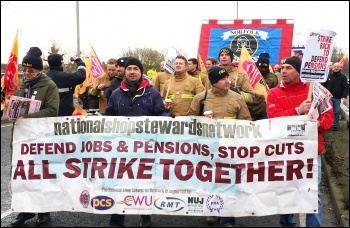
(113, 27)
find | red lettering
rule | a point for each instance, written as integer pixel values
(144, 167)
(189, 170)
(220, 171)
(126, 167)
(273, 170)
(294, 167)
(98, 165)
(19, 171)
(260, 171)
(46, 174)
(204, 175)
(31, 171)
(166, 167)
(69, 165)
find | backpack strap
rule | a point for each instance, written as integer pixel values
(201, 103)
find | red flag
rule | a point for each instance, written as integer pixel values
(79, 111)
(248, 67)
(10, 79)
(96, 66)
(343, 61)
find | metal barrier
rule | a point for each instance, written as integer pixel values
(344, 113)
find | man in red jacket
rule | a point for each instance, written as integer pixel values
(290, 98)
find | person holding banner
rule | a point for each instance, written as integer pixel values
(238, 80)
(220, 99)
(337, 85)
(37, 86)
(223, 103)
(66, 82)
(103, 82)
(290, 98)
(135, 97)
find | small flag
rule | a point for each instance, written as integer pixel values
(96, 66)
(79, 111)
(248, 67)
(10, 80)
(202, 65)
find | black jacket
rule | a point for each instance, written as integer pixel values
(337, 84)
(113, 86)
(66, 83)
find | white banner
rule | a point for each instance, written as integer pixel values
(317, 55)
(163, 165)
(170, 59)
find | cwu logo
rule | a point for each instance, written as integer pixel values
(169, 204)
(102, 203)
(137, 201)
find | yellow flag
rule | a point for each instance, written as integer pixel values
(248, 67)
(201, 64)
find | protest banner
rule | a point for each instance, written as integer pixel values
(192, 166)
(257, 35)
(317, 55)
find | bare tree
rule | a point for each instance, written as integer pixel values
(150, 58)
(337, 55)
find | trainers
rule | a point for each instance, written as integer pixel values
(145, 221)
(211, 220)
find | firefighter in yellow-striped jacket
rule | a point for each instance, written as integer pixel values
(180, 89)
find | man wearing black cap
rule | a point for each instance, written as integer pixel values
(134, 97)
(37, 86)
(238, 80)
(223, 103)
(257, 108)
(66, 82)
(118, 79)
(220, 99)
(290, 98)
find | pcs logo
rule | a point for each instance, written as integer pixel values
(102, 203)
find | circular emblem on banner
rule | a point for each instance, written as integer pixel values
(85, 198)
(247, 40)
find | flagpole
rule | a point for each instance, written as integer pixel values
(78, 29)
(237, 9)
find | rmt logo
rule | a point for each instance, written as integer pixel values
(170, 204)
(102, 203)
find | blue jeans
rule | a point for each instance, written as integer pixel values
(336, 109)
(226, 220)
(117, 220)
(312, 220)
